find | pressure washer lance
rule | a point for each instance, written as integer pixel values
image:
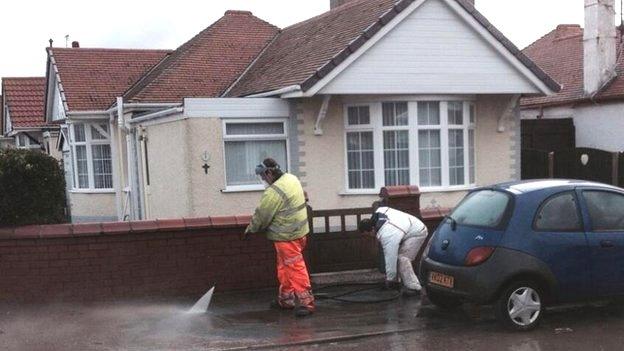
(351, 296)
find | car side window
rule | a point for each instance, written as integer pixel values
(559, 213)
(606, 210)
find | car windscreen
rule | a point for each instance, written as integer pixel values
(483, 208)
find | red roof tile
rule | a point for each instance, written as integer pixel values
(25, 99)
(306, 52)
(208, 63)
(560, 54)
(93, 78)
(240, 53)
(301, 49)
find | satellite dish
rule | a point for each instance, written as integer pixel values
(584, 159)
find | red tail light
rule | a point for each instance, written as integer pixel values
(478, 255)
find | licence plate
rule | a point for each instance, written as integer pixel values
(441, 279)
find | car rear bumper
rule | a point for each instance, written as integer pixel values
(482, 284)
(474, 284)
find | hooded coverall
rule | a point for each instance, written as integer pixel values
(283, 215)
(401, 235)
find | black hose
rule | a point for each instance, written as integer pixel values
(360, 287)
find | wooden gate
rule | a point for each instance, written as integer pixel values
(548, 134)
(586, 164)
(335, 244)
(535, 164)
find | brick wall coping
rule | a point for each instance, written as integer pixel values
(433, 213)
(121, 228)
(399, 191)
(149, 226)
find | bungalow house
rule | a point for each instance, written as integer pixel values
(368, 94)
(590, 66)
(22, 123)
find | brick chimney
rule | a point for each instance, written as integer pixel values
(75, 44)
(335, 3)
(599, 44)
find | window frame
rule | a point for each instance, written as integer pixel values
(377, 128)
(580, 229)
(29, 143)
(590, 224)
(395, 128)
(88, 143)
(252, 137)
(373, 127)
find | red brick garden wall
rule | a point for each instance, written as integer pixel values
(136, 259)
(159, 259)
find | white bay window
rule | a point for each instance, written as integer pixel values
(425, 143)
(92, 159)
(246, 144)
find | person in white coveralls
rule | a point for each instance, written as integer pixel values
(401, 235)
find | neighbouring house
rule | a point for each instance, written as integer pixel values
(372, 93)
(590, 66)
(23, 124)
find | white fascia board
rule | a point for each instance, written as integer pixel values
(57, 81)
(500, 48)
(236, 108)
(292, 89)
(361, 51)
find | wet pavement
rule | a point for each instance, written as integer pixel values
(244, 321)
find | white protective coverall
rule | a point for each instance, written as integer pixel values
(401, 235)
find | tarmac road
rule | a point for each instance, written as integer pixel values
(244, 322)
(586, 327)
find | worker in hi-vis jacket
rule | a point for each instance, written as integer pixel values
(283, 215)
(401, 235)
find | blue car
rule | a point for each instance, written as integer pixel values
(525, 245)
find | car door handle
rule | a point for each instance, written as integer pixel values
(606, 244)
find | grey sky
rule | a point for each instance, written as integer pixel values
(26, 25)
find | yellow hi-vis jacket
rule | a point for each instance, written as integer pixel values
(282, 212)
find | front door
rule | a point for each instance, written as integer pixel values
(604, 212)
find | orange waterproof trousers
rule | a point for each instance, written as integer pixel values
(293, 274)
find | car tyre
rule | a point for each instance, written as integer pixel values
(520, 307)
(442, 301)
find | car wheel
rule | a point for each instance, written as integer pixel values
(520, 307)
(443, 301)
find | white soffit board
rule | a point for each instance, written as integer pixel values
(432, 51)
(236, 107)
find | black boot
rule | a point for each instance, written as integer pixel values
(276, 306)
(301, 312)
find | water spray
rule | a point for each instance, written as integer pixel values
(201, 306)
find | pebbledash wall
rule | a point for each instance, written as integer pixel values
(144, 259)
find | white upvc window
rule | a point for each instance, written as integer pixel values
(247, 142)
(91, 156)
(23, 141)
(425, 143)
